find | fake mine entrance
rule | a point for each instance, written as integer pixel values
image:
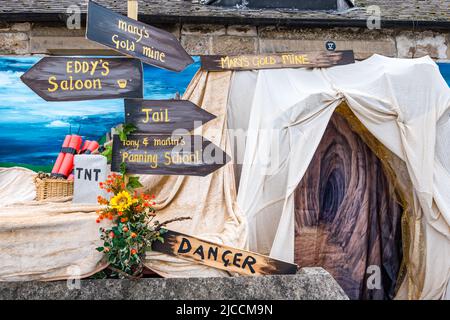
(348, 211)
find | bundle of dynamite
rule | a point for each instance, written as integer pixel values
(71, 146)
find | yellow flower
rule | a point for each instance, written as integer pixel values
(122, 201)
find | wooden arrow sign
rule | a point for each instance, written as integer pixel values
(164, 116)
(167, 155)
(278, 60)
(73, 79)
(128, 36)
(220, 256)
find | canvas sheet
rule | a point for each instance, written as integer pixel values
(290, 111)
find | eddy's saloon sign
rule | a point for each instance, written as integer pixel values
(167, 155)
(149, 44)
(221, 256)
(74, 79)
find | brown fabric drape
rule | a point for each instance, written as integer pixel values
(348, 217)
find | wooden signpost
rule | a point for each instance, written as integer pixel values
(277, 60)
(167, 155)
(221, 256)
(74, 79)
(164, 116)
(129, 36)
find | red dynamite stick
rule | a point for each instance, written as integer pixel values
(85, 146)
(93, 145)
(61, 154)
(67, 164)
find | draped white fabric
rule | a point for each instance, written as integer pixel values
(404, 103)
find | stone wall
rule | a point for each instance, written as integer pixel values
(41, 38)
(308, 284)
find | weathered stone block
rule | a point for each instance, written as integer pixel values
(14, 43)
(4, 26)
(196, 45)
(174, 29)
(22, 27)
(234, 45)
(56, 30)
(308, 284)
(49, 44)
(242, 31)
(361, 49)
(419, 44)
(203, 29)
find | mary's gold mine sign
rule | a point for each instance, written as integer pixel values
(149, 44)
(221, 256)
(73, 79)
(277, 60)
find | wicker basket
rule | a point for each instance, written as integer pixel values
(52, 188)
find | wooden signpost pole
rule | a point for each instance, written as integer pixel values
(133, 9)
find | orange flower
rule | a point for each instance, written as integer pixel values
(133, 235)
(123, 220)
(125, 229)
(106, 249)
(133, 251)
(138, 208)
(111, 234)
(119, 213)
(153, 196)
(98, 220)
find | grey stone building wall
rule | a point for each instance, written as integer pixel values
(54, 38)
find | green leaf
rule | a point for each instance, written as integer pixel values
(133, 183)
(122, 136)
(99, 249)
(126, 130)
(123, 168)
(108, 153)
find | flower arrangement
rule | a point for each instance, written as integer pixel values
(134, 230)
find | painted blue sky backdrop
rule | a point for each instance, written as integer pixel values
(32, 129)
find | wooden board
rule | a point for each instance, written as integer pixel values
(128, 36)
(277, 60)
(164, 116)
(167, 155)
(74, 79)
(220, 256)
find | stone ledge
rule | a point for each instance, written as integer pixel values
(307, 284)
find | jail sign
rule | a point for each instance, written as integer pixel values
(89, 171)
(164, 116)
(221, 256)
